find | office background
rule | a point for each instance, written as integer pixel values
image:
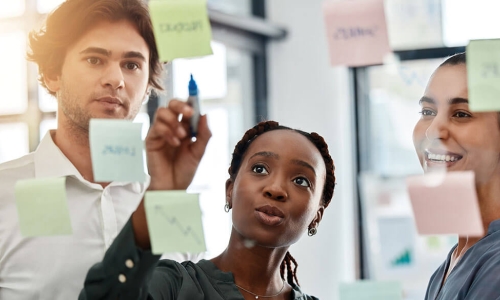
(271, 62)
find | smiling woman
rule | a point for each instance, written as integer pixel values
(277, 193)
(450, 136)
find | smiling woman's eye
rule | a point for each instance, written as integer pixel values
(462, 114)
(259, 169)
(302, 181)
(427, 112)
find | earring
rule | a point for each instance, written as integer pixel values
(227, 207)
(312, 231)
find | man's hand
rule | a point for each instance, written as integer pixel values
(172, 157)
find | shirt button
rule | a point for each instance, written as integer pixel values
(122, 278)
(129, 263)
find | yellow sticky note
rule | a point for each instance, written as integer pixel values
(174, 222)
(181, 28)
(116, 149)
(483, 74)
(42, 207)
(371, 290)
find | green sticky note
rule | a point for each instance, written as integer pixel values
(174, 222)
(42, 207)
(483, 74)
(371, 290)
(116, 149)
(181, 28)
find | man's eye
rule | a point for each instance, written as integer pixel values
(302, 181)
(259, 169)
(131, 66)
(93, 60)
(461, 114)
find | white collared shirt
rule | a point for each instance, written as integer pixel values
(53, 268)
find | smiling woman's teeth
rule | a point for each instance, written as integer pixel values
(441, 157)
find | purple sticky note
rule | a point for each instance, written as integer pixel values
(445, 203)
(356, 32)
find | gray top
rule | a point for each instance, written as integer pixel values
(127, 272)
(475, 276)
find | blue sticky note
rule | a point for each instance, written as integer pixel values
(116, 149)
(42, 207)
(174, 222)
(483, 75)
(371, 290)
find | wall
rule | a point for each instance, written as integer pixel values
(307, 93)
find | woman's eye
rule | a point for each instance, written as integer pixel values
(427, 112)
(93, 60)
(461, 114)
(131, 66)
(302, 181)
(259, 169)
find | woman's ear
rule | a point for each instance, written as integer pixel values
(229, 191)
(317, 217)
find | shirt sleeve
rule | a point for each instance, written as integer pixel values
(124, 272)
(486, 284)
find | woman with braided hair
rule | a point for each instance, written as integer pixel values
(280, 182)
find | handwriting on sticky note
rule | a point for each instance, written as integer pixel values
(483, 75)
(445, 203)
(116, 149)
(174, 222)
(181, 28)
(42, 207)
(371, 290)
(356, 32)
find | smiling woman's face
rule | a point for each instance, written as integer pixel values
(449, 135)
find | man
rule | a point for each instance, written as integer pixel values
(99, 59)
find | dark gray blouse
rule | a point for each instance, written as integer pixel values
(128, 272)
(476, 276)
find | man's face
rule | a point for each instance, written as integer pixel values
(104, 75)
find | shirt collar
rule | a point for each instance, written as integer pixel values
(494, 226)
(51, 162)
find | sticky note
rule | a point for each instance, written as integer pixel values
(445, 203)
(356, 32)
(42, 207)
(174, 222)
(181, 28)
(116, 149)
(483, 75)
(371, 290)
(397, 242)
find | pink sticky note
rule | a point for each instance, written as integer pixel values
(356, 32)
(445, 203)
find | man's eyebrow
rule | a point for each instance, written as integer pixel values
(304, 164)
(134, 54)
(96, 50)
(107, 53)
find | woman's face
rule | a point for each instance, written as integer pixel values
(448, 135)
(277, 192)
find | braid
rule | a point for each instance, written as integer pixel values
(291, 275)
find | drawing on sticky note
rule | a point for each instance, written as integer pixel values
(118, 150)
(185, 230)
(174, 222)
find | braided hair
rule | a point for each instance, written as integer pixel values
(318, 141)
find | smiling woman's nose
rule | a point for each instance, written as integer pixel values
(438, 129)
(113, 77)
